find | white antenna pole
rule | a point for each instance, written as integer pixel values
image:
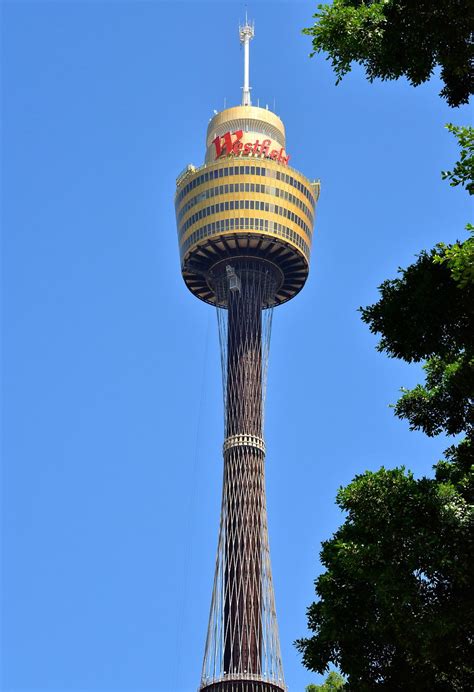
(246, 34)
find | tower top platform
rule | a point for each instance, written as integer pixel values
(246, 204)
(249, 119)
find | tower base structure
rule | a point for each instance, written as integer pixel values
(242, 686)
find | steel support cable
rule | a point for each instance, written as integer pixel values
(189, 524)
(242, 646)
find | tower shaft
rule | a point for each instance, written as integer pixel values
(243, 478)
(244, 360)
(242, 651)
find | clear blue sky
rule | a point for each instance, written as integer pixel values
(113, 416)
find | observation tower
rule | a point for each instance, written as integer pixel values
(245, 223)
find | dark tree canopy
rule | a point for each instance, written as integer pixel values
(421, 312)
(395, 38)
(425, 315)
(395, 606)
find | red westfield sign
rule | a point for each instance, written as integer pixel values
(231, 144)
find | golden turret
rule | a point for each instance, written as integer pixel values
(245, 202)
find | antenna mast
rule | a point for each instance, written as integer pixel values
(246, 34)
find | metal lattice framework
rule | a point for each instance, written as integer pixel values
(242, 651)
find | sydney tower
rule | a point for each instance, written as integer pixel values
(245, 222)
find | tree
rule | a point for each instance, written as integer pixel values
(428, 314)
(396, 602)
(395, 606)
(395, 38)
(333, 683)
(463, 172)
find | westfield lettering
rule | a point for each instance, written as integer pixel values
(231, 144)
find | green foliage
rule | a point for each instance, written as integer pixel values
(459, 258)
(395, 604)
(333, 683)
(422, 312)
(463, 172)
(444, 403)
(395, 38)
(428, 314)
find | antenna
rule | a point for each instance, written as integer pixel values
(246, 34)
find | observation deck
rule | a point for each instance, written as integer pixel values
(245, 202)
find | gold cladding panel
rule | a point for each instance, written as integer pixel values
(256, 179)
(248, 161)
(242, 214)
(243, 196)
(247, 213)
(249, 112)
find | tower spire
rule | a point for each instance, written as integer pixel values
(246, 34)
